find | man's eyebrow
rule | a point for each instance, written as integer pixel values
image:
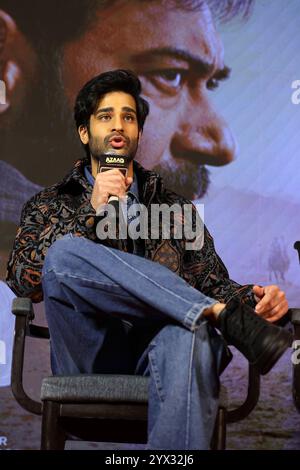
(201, 66)
(222, 74)
(128, 109)
(104, 110)
(110, 109)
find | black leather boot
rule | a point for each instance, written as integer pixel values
(260, 341)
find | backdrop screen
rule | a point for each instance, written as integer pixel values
(223, 82)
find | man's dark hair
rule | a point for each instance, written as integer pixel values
(114, 80)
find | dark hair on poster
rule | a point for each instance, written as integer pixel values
(51, 22)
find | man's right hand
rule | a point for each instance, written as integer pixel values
(109, 183)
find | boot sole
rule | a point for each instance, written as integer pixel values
(273, 352)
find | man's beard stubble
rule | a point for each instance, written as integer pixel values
(190, 181)
(98, 148)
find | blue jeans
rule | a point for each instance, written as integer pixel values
(113, 312)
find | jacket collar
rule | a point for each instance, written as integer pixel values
(149, 182)
(76, 178)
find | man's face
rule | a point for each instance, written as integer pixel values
(179, 59)
(113, 127)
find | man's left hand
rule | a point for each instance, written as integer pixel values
(271, 302)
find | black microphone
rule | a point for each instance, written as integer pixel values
(297, 247)
(109, 161)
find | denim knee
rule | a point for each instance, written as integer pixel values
(60, 252)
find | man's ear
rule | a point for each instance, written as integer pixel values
(83, 134)
(139, 135)
(18, 63)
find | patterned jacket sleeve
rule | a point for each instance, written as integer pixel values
(212, 275)
(26, 259)
(37, 232)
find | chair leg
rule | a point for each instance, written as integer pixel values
(296, 385)
(53, 435)
(219, 436)
(296, 364)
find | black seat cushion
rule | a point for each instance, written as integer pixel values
(95, 388)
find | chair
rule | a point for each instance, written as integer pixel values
(107, 408)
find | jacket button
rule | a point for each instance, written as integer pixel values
(90, 222)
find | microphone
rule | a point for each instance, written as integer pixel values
(109, 161)
(297, 247)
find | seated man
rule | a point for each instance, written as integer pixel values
(137, 305)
